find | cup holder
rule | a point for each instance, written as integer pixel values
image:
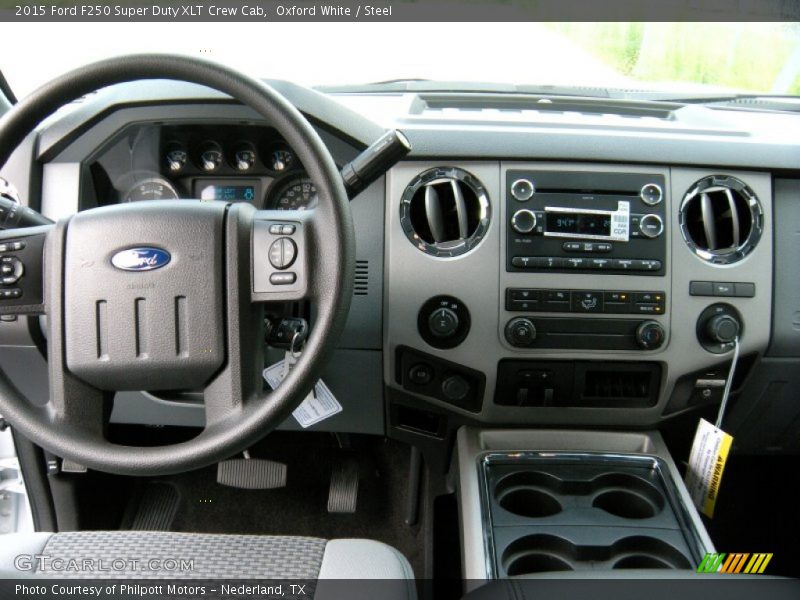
(522, 494)
(542, 553)
(642, 552)
(627, 496)
(538, 554)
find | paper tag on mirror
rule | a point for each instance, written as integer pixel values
(319, 405)
(706, 464)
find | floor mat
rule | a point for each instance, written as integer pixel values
(157, 507)
(301, 508)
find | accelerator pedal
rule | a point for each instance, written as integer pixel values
(343, 493)
(251, 473)
(157, 508)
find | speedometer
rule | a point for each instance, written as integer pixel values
(154, 188)
(296, 193)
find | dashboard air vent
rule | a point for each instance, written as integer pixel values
(445, 211)
(362, 278)
(721, 219)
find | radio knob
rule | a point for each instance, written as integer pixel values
(522, 190)
(650, 335)
(523, 221)
(651, 194)
(520, 332)
(651, 226)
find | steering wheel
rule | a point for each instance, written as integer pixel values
(170, 295)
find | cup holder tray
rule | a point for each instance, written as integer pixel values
(551, 514)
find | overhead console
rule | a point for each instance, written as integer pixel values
(550, 287)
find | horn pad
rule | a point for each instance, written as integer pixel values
(144, 304)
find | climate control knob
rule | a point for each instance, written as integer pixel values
(650, 335)
(520, 332)
(523, 221)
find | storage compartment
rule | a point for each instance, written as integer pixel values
(565, 512)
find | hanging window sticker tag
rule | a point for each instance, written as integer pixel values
(320, 404)
(706, 465)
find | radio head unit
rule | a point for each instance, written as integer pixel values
(585, 222)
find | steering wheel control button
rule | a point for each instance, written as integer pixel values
(420, 374)
(284, 278)
(523, 190)
(282, 253)
(650, 335)
(651, 194)
(651, 226)
(523, 221)
(520, 332)
(443, 322)
(11, 269)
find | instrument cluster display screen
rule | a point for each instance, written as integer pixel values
(578, 223)
(227, 191)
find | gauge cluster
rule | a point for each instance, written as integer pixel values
(231, 162)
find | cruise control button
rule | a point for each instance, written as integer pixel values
(282, 278)
(282, 253)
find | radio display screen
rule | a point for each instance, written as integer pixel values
(578, 223)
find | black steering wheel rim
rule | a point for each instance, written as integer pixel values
(331, 288)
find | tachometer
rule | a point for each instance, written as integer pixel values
(151, 189)
(295, 193)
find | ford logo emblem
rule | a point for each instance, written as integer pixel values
(140, 259)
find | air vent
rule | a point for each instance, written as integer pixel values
(721, 219)
(445, 211)
(361, 287)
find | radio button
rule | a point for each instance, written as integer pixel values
(522, 190)
(523, 221)
(651, 226)
(651, 194)
(624, 264)
(647, 265)
(522, 262)
(550, 262)
(587, 302)
(603, 247)
(572, 246)
(577, 263)
(600, 263)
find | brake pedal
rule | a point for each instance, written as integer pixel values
(343, 492)
(251, 473)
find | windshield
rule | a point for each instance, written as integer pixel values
(761, 58)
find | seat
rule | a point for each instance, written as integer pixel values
(156, 554)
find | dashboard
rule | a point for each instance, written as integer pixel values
(573, 263)
(229, 162)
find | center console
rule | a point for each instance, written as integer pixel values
(561, 501)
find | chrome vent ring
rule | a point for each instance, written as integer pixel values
(721, 219)
(445, 211)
